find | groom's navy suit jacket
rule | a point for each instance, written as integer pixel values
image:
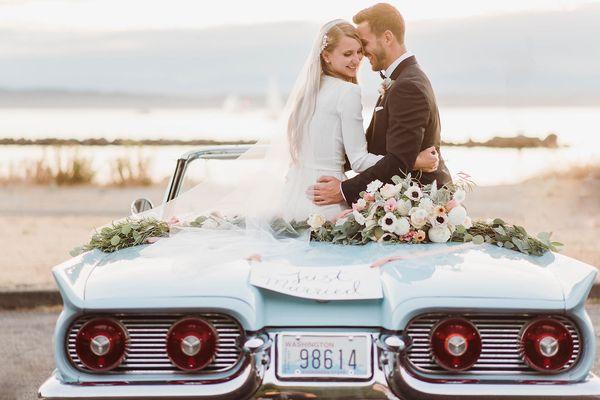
(405, 122)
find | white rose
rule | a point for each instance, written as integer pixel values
(402, 226)
(457, 215)
(439, 234)
(388, 190)
(341, 221)
(371, 223)
(427, 204)
(468, 224)
(210, 224)
(374, 186)
(460, 195)
(419, 218)
(361, 204)
(403, 207)
(316, 221)
(359, 218)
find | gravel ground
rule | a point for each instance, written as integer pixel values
(26, 350)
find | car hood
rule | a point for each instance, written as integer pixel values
(430, 276)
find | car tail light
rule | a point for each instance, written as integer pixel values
(456, 344)
(191, 344)
(101, 344)
(547, 345)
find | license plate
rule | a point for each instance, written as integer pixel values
(302, 355)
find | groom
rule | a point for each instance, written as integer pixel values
(406, 119)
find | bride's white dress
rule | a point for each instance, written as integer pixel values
(336, 130)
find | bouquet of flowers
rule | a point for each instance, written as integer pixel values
(406, 212)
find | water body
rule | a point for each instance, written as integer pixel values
(578, 130)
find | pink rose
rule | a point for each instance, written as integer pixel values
(451, 204)
(173, 221)
(369, 197)
(390, 205)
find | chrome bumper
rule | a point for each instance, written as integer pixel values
(258, 380)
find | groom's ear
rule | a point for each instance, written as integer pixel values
(388, 37)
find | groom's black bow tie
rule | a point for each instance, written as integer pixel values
(382, 75)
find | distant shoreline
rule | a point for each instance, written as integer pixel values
(513, 142)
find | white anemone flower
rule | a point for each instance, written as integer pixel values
(419, 218)
(439, 220)
(457, 215)
(388, 190)
(359, 218)
(414, 193)
(460, 195)
(439, 234)
(402, 226)
(374, 186)
(388, 222)
(315, 221)
(386, 237)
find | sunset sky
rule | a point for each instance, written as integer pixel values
(183, 14)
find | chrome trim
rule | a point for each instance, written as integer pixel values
(146, 352)
(207, 153)
(501, 352)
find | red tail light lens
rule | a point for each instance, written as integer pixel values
(547, 345)
(191, 344)
(101, 344)
(456, 344)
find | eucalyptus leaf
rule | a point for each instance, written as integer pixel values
(115, 240)
(478, 239)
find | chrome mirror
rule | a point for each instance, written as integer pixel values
(141, 205)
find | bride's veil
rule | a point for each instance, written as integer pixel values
(257, 192)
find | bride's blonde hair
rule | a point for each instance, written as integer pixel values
(303, 98)
(335, 34)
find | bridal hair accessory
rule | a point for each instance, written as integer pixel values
(385, 85)
(324, 43)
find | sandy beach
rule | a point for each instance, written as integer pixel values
(41, 225)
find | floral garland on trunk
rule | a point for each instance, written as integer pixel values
(406, 212)
(398, 212)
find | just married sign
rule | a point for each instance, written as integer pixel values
(357, 282)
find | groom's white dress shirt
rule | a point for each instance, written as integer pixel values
(388, 72)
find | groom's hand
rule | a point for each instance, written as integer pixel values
(327, 191)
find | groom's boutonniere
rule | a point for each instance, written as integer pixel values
(385, 85)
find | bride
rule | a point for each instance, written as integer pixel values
(325, 122)
(321, 126)
(324, 125)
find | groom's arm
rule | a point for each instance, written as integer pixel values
(408, 115)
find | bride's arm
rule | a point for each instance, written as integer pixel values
(353, 131)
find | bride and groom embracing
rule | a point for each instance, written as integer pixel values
(325, 132)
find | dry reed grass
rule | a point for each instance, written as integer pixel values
(69, 168)
(131, 172)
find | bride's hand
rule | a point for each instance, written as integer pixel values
(428, 160)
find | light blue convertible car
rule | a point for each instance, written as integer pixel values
(477, 322)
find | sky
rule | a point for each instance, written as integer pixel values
(109, 15)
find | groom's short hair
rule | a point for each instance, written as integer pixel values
(382, 17)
